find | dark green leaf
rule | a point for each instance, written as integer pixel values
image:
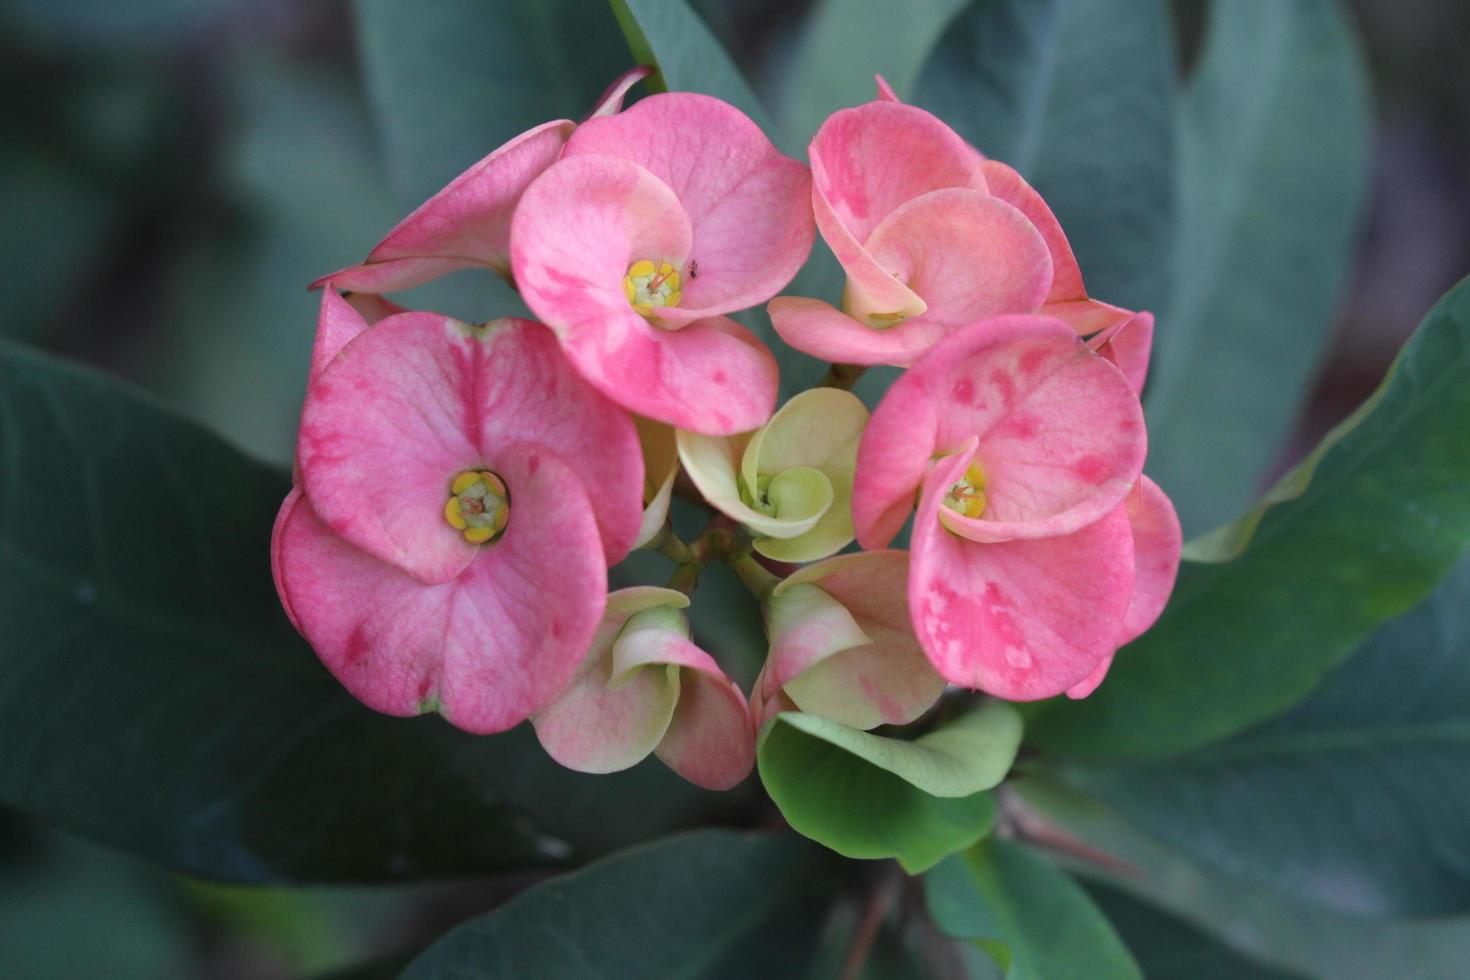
(1360, 534)
(866, 796)
(669, 36)
(1034, 920)
(1272, 167)
(452, 80)
(1358, 797)
(1169, 948)
(1079, 96)
(707, 904)
(153, 695)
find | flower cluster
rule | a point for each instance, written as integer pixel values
(462, 489)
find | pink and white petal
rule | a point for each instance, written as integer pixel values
(1021, 620)
(465, 224)
(819, 329)
(1130, 348)
(969, 255)
(486, 649)
(596, 726)
(889, 680)
(1062, 437)
(386, 427)
(660, 467)
(1157, 542)
(869, 159)
(745, 200)
(867, 686)
(611, 101)
(525, 390)
(710, 742)
(806, 625)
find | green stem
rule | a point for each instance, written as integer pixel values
(842, 376)
(754, 576)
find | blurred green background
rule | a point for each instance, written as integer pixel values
(174, 172)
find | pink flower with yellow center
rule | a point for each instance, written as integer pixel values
(932, 237)
(1037, 546)
(654, 224)
(461, 494)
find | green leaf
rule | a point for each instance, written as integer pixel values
(1273, 161)
(1034, 920)
(706, 904)
(847, 42)
(669, 36)
(452, 80)
(1170, 948)
(866, 796)
(1357, 797)
(153, 696)
(1312, 939)
(1078, 95)
(1380, 516)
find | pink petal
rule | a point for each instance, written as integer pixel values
(967, 254)
(887, 681)
(576, 232)
(596, 726)
(282, 517)
(869, 288)
(710, 741)
(466, 224)
(819, 329)
(1067, 300)
(1021, 620)
(487, 648)
(1130, 347)
(611, 102)
(868, 160)
(885, 91)
(1060, 433)
(337, 323)
(1157, 541)
(411, 403)
(746, 202)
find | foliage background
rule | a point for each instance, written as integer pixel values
(172, 173)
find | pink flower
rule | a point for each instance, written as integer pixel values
(931, 238)
(645, 687)
(842, 645)
(1029, 564)
(655, 223)
(467, 224)
(461, 494)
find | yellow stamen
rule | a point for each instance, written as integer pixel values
(478, 505)
(650, 286)
(967, 495)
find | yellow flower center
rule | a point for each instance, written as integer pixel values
(967, 495)
(651, 285)
(478, 505)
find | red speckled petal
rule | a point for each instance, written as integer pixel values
(1021, 620)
